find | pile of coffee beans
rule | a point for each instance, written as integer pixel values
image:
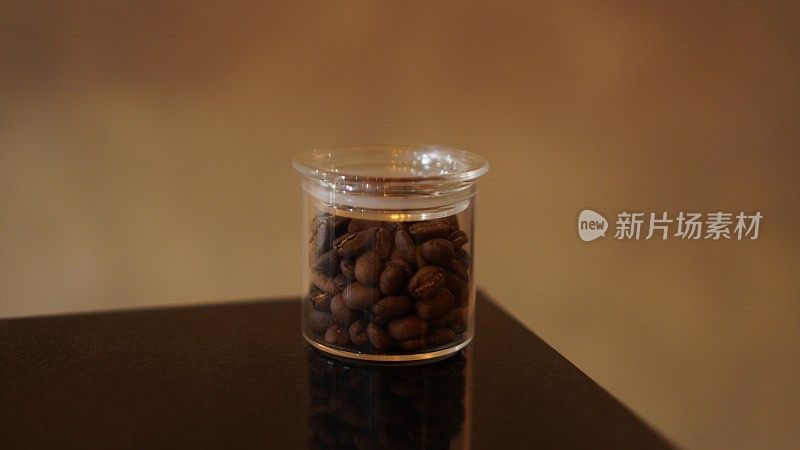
(387, 287)
(372, 407)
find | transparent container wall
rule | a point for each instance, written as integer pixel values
(388, 285)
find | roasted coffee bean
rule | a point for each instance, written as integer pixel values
(459, 320)
(323, 239)
(437, 251)
(354, 244)
(325, 229)
(312, 252)
(358, 332)
(412, 344)
(462, 299)
(393, 307)
(456, 317)
(459, 327)
(462, 256)
(408, 327)
(422, 231)
(460, 290)
(336, 335)
(391, 226)
(420, 260)
(341, 313)
(319, 321)
(368, 268)
(379, 337)
(324, 282)
(456, 283)
(347, 268)
(440, 336)
(312, 227)
(394, 276)
(341, 281)
(356, 225)
(321, 301)
(404, 244)
(328, 263)
(436, 306)
(382, 243)
(458, 269)
(396, 255)
(458, 238)
(427, 281)
(343, 239)
(358, 296)
(380, 321)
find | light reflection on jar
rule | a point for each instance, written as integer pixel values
(368, 406)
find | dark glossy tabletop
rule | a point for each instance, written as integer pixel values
(239, 375)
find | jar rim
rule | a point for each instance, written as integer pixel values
(390, 163)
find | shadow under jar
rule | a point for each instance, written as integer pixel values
(388, 235)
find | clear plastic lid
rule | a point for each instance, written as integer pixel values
(391, 163)
(390, 177)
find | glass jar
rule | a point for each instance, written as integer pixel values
(388, 241)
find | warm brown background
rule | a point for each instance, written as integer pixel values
(145, 148)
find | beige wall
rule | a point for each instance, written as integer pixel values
(144, 159)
